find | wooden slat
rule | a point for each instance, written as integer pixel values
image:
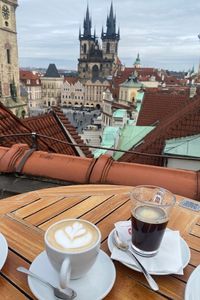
(9, 292)
(77, 210)
(105, 209)
(13, 203)
(23, 239)
(53, 210)
(36, 206)
(107, 224)
(9, 270)
(182, 220)
(195, 258)
(86, 190)
(192, 241)
(127, 288)
(195, 230)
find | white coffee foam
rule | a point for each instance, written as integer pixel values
(150, 214)
(73, 236)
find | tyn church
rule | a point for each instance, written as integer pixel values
(98, 61)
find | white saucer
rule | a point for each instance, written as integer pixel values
(192, 291)
(185, 250)
(95, 285)
(3, 250)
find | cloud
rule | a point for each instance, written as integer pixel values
(164, 32)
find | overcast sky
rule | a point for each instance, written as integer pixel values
(164, 32)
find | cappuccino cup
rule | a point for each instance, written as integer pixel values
(72, 246)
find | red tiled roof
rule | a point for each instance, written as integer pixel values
(72, 131)
(171, 80)
(28, 75)
(143, 74)
(49, 125)
(11, 125)
(71, 80)
(158, 104)
(44, 124)
(184, 122)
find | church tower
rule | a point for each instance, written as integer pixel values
(9, 66)
(110, 41)
(87, 42)
(98, 62)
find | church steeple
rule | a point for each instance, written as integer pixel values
(87, 24)
(111, 22)
(111, 26)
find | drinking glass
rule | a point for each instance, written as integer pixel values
(150, 211)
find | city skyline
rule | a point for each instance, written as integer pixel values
(165, 34)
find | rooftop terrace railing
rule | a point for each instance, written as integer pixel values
(35, 136)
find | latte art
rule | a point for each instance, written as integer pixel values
(72, 235)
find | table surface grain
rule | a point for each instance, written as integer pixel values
(25, 217)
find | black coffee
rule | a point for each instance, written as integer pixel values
(148, 227)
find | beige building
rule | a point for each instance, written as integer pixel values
(9, 65)
(128, 90)
(94, 92)
(72, 92)
(52, 84)
(32, 84)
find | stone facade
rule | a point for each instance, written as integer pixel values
(32, 84)
(9, 65)
(94, 92)
(52, 84)
(72, 93)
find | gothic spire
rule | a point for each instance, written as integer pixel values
(111, 26)
(87, 24)
(111, 23)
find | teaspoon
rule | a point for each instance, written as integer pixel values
(66, 294)
(125, 247)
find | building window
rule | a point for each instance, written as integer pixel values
(108, 48)
(13, 91)
(84, 48)
(8, 55)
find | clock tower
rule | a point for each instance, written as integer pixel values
(9, 66)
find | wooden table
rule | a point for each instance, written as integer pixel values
(24, 218)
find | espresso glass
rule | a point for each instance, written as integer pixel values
(150, 212)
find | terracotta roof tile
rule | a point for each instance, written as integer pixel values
(44, 124)
(48, 125)
(184, 122)
(29, 75)
(71, 80)
(158, 104)
(72, 131)
(10, 125)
